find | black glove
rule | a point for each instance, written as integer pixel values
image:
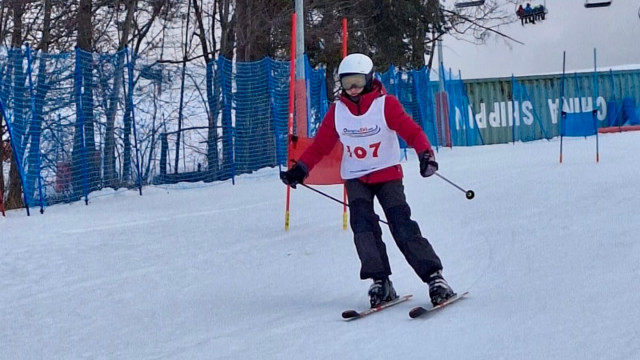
(295, 175)
(428, 164)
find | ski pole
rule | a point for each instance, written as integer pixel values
(334, 199)
(468, 193)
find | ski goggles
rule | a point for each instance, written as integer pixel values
(353, 81)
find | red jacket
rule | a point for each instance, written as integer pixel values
(397, 120)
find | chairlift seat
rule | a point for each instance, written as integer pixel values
(596, 4)
(465, 4)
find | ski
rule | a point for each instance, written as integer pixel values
(419, 310)
(354, 314)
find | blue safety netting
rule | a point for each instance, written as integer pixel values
(279, 87)
(60, 109)
(317, 100)
(413, 90)
(247, 121)
(80, 121)
(464, 130)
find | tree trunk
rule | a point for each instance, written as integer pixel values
(85, 158)
(212, 95)
(110, 175)
(14, 195)
(243, 11)
(227, 26)
(227, 41)
(35, 127)
(126, 154)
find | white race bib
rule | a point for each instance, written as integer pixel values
(368, 143)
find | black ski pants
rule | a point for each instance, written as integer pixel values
(368, 235)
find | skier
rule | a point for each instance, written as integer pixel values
(367, 121)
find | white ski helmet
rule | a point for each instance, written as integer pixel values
(357, 64)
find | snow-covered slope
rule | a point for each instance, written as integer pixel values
(549, 251)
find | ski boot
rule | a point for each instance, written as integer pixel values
(381, 291)
(439, 289)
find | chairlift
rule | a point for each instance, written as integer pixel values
(596, 4)
(466, 4)
(538, 11)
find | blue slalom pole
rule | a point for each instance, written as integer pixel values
(513, 106)
(595, 99)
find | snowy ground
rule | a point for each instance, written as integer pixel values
(550, 253)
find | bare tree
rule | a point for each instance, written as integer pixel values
(85, 156)
(14, 195)
(109, 155)
(42, 85)
(208, 44)
(392, 32)
(227, 17)
(221, 15)
(4, 20)
(142, 25)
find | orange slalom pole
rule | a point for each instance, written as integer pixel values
(345, 219)
(344, 37)
(344, 187)
(292, 76)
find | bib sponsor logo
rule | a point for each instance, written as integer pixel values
(361, 132)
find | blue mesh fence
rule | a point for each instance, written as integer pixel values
(317, 101)
(60, 109)
(83, 121)
(243, 130)
(462, 123)
(279, 88)
(407, 94)
(16, 109)
(255, 140)
(390, 82)
(425, 102)
(192, 123)
(415, 93)
(104, 146)
(388, 79)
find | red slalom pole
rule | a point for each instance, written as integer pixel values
(292, 77)
(344, 187)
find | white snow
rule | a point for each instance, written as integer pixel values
(549, 252)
